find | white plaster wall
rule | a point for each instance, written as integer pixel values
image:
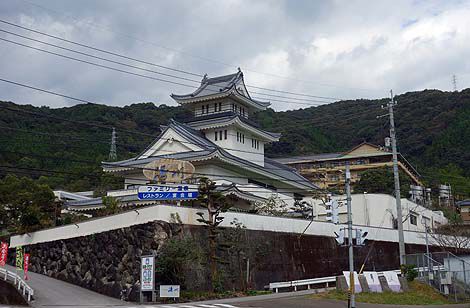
(188, 216)
(218, 174)
(378, 209)
(237, 148)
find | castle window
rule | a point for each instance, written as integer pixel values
(238, 136)
(225, 134)
(215, 107)
(220, 135)
(215, 138)
(220, 106)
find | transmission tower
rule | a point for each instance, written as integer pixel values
(454, 82)
(112, 150)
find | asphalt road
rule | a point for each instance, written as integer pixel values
(54, 293)
(50, 292)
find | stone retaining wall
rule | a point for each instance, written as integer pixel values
(109, 262)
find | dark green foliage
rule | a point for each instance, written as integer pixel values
(433, 130)
(25, 205)
(176, 255)
(409, 271)
(381, 181)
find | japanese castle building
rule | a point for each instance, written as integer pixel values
(221, 141)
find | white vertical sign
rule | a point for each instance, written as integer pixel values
(147, 273)
(392, 281)
(357, 284)
(373, 281)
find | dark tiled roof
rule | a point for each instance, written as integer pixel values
(278, 170)
(217, 85)
(313, 157)
(228, 116)
(464, 203)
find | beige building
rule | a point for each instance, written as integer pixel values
(465, 211)
(327, 170)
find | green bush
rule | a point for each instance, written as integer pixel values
(409, 271)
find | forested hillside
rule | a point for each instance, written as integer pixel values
(433, 128)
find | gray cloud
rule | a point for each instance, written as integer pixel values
(350, 49)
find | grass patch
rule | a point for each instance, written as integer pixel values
(419, 294)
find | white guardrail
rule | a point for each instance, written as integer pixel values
(18, 282)
(309, 282)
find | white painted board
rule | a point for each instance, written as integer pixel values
(392, 281)
(357, 284)
(373, 281)
(169, 291)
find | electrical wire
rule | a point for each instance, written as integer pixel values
(137, 60)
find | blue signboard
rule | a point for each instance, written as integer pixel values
(167, 192)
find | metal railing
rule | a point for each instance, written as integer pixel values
(446, 272)
(326, 281)
(18, 282)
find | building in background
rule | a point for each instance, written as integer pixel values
(327, 170)
(220, 142)
(380, 210)
(464, 207)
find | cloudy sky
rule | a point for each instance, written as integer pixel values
(333, 49)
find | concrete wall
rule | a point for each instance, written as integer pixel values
(109, 262)
(189, 217)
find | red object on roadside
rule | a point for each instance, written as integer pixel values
(26, 265)
(3, 254)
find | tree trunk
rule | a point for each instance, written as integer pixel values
(212, 249)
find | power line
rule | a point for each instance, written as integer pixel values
(215, 90)
(137, 60)
(100, 50)
(199, 57)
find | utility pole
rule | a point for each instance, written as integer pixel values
(352, 299)
(401, 237)
(112, 150)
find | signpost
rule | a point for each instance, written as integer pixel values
(147, 275)
(167, 192)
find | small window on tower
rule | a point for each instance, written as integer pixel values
(220, 106)
(220, 135)
(225, 134)
(215, 136)
(203, 109)
(238, 136)
(243, 138)
(215, 107)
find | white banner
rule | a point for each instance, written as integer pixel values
(147, 273)
(373, 281)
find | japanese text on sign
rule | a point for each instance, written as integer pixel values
(147, 273)
(3, 254)
(167, 192)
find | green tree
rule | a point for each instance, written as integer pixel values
(111, 206)
(175, 256)
(381, 181)
(215, 203)
(26, 205)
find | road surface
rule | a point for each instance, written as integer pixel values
(54, 293)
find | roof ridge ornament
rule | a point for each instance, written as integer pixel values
(204, 78)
